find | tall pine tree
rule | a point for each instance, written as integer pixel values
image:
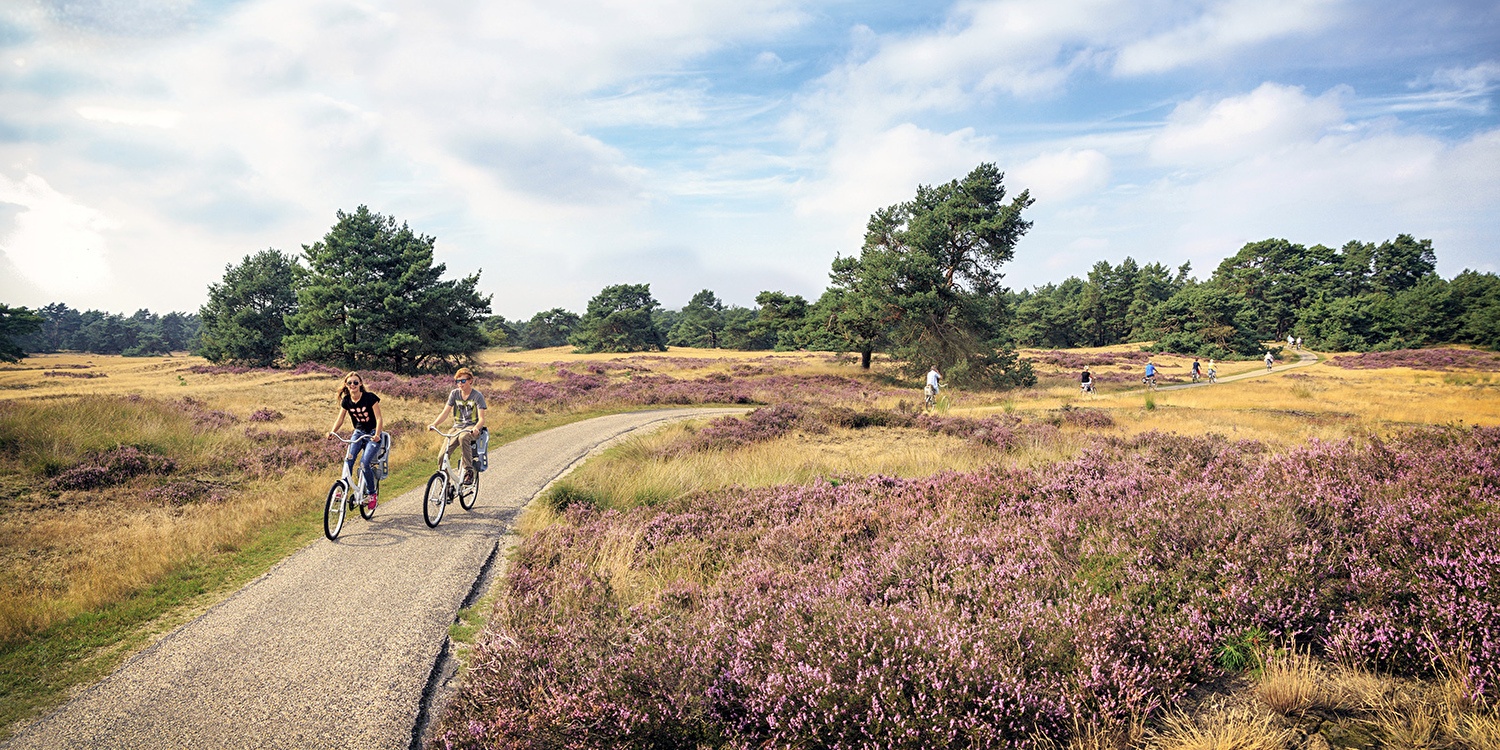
(374, 298)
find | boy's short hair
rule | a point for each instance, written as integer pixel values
(463, 372)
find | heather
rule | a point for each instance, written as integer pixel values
(1003, 431)
(110, 467)
(632, 381)
(1077, 360)
(1421, 359)
(989, 609)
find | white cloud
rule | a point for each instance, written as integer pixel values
(1463, 89)
(1259, 123)
(1061, 176)
(156, 118)
(1275, 162)
(1223, 29)
(57, 243)
(885, 168)
(1473, 79)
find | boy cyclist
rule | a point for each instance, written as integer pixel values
(467, 407)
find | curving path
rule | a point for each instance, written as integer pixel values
(339, 644)
(1304, 358)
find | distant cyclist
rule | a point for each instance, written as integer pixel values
(930, 391)
(1150, 379)
(363, 410)
(1087, 380)
(1197, 370)
(1213, 371)
(467, 407)
(1270, 360)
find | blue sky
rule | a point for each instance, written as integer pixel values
(736, 146)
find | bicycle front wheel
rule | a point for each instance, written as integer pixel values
(334, 510)
(467, 496)
(434, 502)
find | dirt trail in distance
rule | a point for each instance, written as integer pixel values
(335, 646)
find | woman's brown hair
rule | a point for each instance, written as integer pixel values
(344, 385)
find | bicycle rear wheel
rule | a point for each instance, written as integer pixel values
(434, 502)
(334, 510)
(468, 496)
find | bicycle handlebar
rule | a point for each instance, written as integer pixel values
(449, 435)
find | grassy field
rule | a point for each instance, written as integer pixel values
(685, 556)
(225, 468)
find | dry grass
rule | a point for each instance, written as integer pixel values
(1283, 408)
(1234, 729)
(679, 361)
(641, 471)
(70, 552)
(1292, 683)
(64, 561)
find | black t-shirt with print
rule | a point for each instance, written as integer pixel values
(363, 412)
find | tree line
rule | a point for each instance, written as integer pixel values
(1360, 297)
(57, 327)
(925, 288)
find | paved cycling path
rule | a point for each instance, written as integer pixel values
(1304, 358)
(333, 648)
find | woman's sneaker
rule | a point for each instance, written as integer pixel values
(371, 500)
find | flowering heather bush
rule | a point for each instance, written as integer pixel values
(184, 491)
(314, 368)
(649, 389)
(1421, 359)
(758, 426)
(62, 374)
(227, 369)
(1091, 418)
(987, 609)
(204, 418)
(1078, 360)
(266, 415)
(280, 450)
(114, 466)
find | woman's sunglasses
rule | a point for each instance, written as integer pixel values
(460, 380)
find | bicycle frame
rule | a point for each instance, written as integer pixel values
(442, 488)
(355, 481)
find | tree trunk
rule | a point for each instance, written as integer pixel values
(864, 358)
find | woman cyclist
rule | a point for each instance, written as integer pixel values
(363, 409)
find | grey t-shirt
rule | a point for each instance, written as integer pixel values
(466, 410)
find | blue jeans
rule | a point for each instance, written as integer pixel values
(371, 446)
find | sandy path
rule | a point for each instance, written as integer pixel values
(1304, 358)
(335, 646)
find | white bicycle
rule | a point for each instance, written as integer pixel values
(442, 490)
(349, 491)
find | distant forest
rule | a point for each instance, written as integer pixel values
(97, 332)
(1360, 297)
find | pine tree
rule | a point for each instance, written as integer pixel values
(373, 297)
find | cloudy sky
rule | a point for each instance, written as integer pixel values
(739, 145)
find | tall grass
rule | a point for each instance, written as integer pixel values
(70, 551)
